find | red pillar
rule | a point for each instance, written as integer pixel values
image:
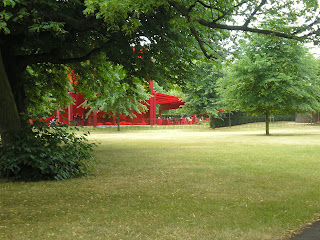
(193, 118)
(70, 113)
(152, 111)
(154, 107)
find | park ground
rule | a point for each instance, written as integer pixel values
(177, 183)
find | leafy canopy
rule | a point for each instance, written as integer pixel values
(110, 92)
(38, 34)
(274, 75)
(201, 94)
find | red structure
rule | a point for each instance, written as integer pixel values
(75, 114)
(78, 115)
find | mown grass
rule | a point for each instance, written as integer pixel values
(191, 183)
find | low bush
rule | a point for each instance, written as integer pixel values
(42, 152)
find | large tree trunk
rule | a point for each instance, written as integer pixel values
(9, 116)
(15, 69)
(267, 122)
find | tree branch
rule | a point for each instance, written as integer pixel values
(200, 42)
(247, 29)
(316, 21)
(76, 24)
(49, 58)
(254, 13)
(191, 7)
(228, 12)
(204, 5)
(179, 7)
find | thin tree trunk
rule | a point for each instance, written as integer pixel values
(267, 122)
(9, 117)
(118, 121)
(212, 123)
(229, 118)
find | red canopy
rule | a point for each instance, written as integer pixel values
(165, 99)
(167, 102)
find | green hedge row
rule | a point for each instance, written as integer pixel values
(239, 118)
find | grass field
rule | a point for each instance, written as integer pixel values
(183, 183)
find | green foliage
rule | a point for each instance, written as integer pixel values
(46, 87)
(122, 101)
(126, 12)
(39, 34)
(274, 75)
(170, 89)
(66, 32)
(201, 95)
(46, 153)
(108, 89)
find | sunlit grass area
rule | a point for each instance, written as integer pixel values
(177, 183)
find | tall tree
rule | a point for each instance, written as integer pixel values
(273, 76)
(202, 97)
(38, 39)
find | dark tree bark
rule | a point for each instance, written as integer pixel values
(267, 122)
(118, 121)
(212, 123)
(15, 70)
(10, 123)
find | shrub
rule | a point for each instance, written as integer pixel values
(42, 152)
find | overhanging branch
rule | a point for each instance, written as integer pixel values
(200, 42)
(49, 58)
(82, 24)
(244, 28)
(224, 14)
(263, 2)
(204, 5)
(214, 25)
(316, 21)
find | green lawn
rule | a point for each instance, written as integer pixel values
(184, 183)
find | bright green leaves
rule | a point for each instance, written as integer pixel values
(108, 87)
(22, 15)
(55, 27)
(4, 28)
(46, 87)
(4, 17)
(201, 90)
(61, 31)
(11, 3)
(121, 15)
(298, 17)
(275, 75)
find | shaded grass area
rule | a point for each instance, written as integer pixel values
(177, 184)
